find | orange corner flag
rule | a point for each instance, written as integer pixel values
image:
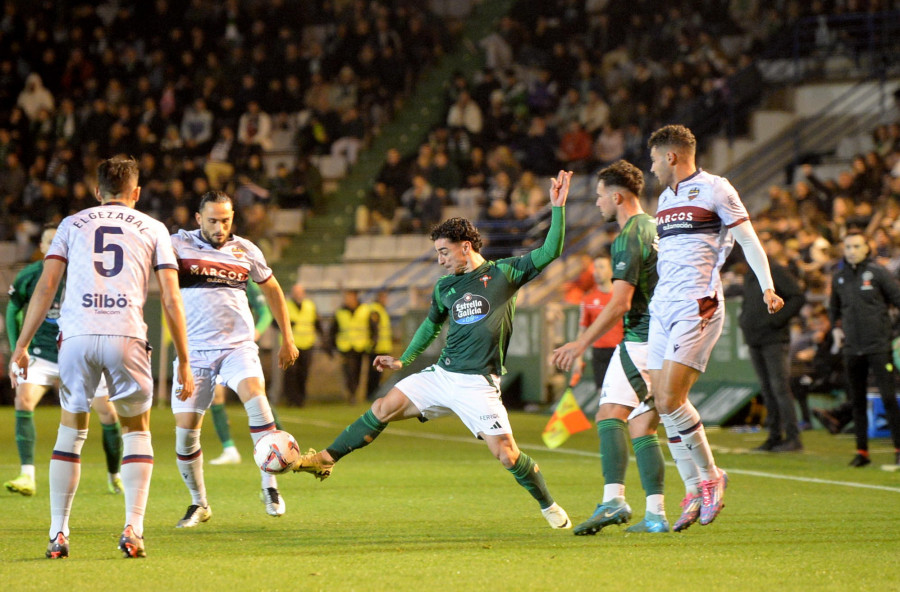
(567, 419)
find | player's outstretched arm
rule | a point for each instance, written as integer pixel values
(173, 308)
(288, 352)
(565, 357)
(759, 263)
(41, 300)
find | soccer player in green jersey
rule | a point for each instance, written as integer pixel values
(43, 374)
(478, 297)
(623, 396)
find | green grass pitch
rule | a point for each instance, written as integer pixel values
(427, 508)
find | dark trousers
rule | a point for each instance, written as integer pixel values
(858, 368)
(600, 357)
(352, 372)
(373, 378)
(772, 366)
(294, 385)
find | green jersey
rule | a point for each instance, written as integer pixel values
(481, 305)
(633, 256)
(44, 343)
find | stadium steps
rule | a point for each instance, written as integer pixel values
(422, 110)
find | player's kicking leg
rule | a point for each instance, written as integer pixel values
(394, 406)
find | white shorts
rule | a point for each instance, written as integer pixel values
(474, 398)
(124, 362)
(230, 365)
(43, 372)
(684, 331)
(627, 381)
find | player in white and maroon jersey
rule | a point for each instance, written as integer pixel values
(214, 267)
(697, 216)
(106, 254)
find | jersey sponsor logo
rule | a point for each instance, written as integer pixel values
(687, 220)
(196, 273)
(104, 303)
(621, 265)
(469, 309)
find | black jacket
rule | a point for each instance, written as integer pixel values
(860, 296)
(760, 327)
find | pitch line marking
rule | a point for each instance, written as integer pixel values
(572, 452)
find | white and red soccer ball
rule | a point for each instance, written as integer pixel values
(276, 452)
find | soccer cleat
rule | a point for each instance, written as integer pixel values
(58, 547)
(23, 484)
(312, 462)
(712, 493)
(690, 511)
(195, 515)
(612, 512)
(131, 545)
(768, 445)
(274, 502)
(229, 456)
(860, 460)
(557, 517)
(651, 523)
(115, 486)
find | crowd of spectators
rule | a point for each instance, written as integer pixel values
(578, 85)
(198, 92)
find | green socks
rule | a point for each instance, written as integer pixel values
(650, 462)
(25, 436)
(112, 446)
(529, 476)
(275, 417)
(358, 434)
(220, 420)
(613, 449)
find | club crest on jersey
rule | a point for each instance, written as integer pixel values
(237, 252)
(485, 279)
(469, 309)
(693, 193)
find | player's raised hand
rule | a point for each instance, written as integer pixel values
(773, 301)
(559, 188)
(382, 363)
(18, 366)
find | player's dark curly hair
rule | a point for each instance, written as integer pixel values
(623, 174)
(457, 230)
(214, 197)
(115, 174)
(676, 136)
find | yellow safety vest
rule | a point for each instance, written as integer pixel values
(303, 322)
(352, 329)
(384, 343)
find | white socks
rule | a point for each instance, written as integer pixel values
(65, 471)
(685, 423)
(189, 458)
(137, 468)
(259, 416)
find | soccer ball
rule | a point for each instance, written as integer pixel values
(276, 452)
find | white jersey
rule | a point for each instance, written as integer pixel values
(214, 289)
(109, 251)
(694, 241)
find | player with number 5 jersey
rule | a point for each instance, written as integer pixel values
(106, 254)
